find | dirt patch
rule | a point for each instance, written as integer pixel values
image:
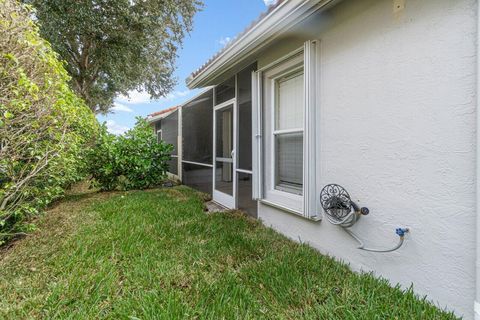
(59, 220)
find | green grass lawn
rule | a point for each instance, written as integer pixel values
(157, 255)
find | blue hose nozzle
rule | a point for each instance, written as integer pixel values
(401, 231)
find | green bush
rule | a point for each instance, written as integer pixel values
(131, 161)
(44, 127)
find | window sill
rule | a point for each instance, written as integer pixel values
(289, 189)
(285, 199)
(289, 210)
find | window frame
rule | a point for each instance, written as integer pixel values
(289, 66)
(161, 135)
(287, 75)
(306, 205)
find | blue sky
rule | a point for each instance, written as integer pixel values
(214, 26)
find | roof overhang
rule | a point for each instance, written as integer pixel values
(184, 104)
(160, 116)
(286, 15)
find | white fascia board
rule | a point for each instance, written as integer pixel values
(159, 117)
(156, 118)
(286, 15)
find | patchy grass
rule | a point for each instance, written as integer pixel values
(156, 255)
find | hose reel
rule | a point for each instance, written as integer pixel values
(340, 210)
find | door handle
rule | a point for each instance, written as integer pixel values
(232, 154)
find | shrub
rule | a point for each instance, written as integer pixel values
(131, 161)
(44, 126)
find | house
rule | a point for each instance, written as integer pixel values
(156, 120)
(378, 96)
(165, 127)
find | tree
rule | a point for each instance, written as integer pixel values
(114, 46)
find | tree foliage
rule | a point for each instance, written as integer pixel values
(113, 47)
(44, 126)
(131, 161)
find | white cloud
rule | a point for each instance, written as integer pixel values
(269, 2)
(116, 128)
(182, 93)
(121, 107)
(224, 41)
(137, 97)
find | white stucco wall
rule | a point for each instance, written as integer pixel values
(398, 131)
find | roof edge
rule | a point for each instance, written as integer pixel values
(161, 114)
(282, 17)
(166, 112)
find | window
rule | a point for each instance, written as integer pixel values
(288, 132)
(285, 127)
(158, 125)
(283, 131)
(159, 136)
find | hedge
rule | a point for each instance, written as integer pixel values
(45, 129)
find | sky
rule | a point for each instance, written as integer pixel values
(214, 27)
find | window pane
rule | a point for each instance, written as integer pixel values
(289, 162)
(225, 91)
(224, 177)
(224, 133)
(289, 106)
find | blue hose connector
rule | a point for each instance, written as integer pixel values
(401, 231)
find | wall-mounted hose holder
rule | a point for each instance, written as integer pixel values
(340, 210)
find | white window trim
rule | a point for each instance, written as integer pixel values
(288, 73)
(270, 79)
(311, 148)
(306, 205)
(161, 135)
